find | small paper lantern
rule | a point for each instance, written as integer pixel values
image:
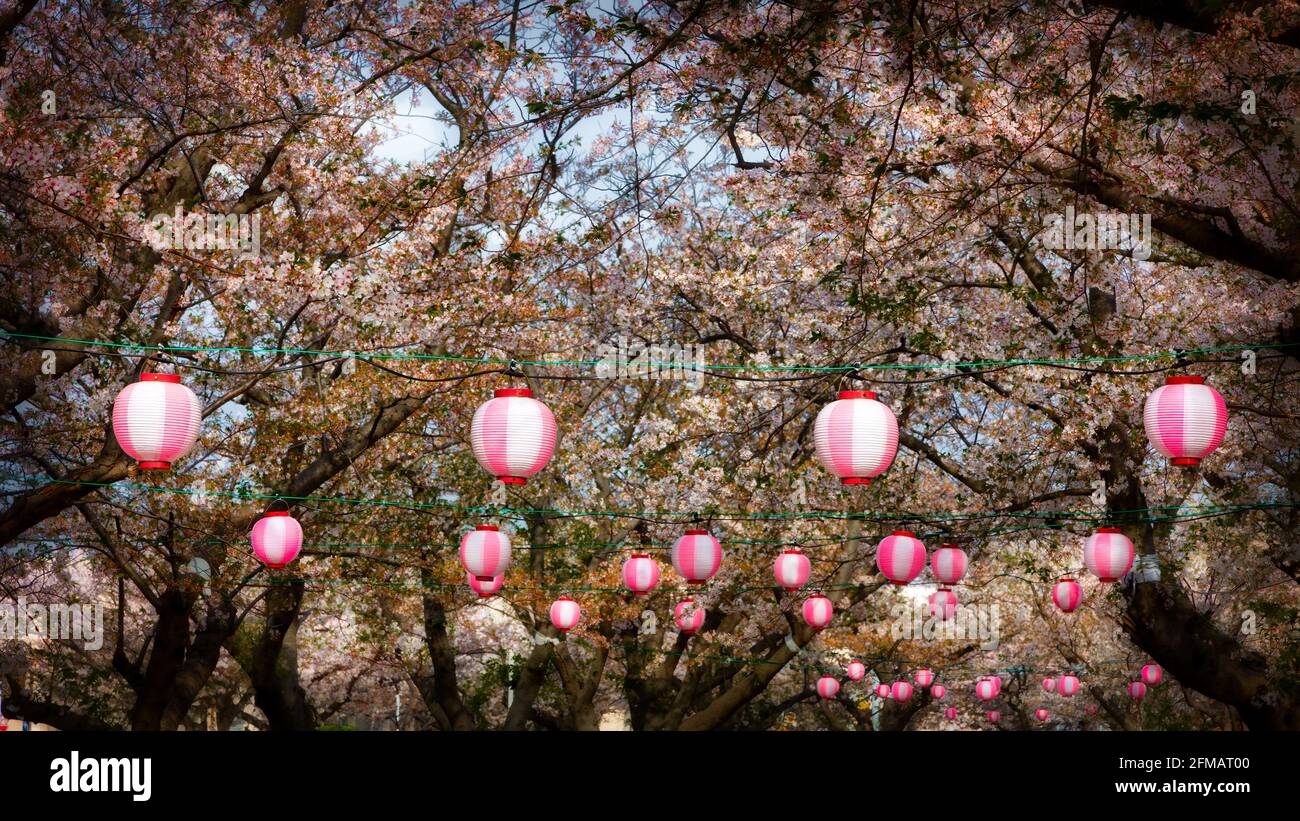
(900, 556)
(995, 716)
(689, 616)
(1068, 685)
(1066, 594)
(950, 713)
(856, 671)
(156, 420)
(1040, 714)
(1185, 419)
(943, 604)
(792, 569)
(1108, 554)
(828, 687)
(856, 437)
(923, 677)
(277, 538)
(513, 435)
(986, 689)
(485, 552)
(938, 691)
(948, 564)
(1049, 684)
(487, 589)
(901, 691)
(1091, 709)
(1137, 690)
(1152, 674)
(817, 611)
(697, 556)
(882, 690)
(565, 613)
(640, 573)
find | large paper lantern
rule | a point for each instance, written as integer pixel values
(1068, 685)
(640, 573)
(1040, 714)
(565, 613)
(948, 564)
(156, 420)
(1066, 594)
(791, 569)
(277, 538)
(1185, 419)
(882, 690)
(923, 677)
(856, 671)
(1137, 690)
(1049, 684)
(817, 611)
(485, 552)
(1152, 674)
(943, 604)
(950, 713)
(697, 556)
(938, 691)
(995, 716)
(901, 691)
(828, 687)
(986, 688)
(689, 616)
(900, 556)
(513, 435)
(1108, 553)
(856, 437)
(485, 589)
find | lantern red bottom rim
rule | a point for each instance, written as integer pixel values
(855, 480)
(155, 465)
(1185, 461)
(512, 480)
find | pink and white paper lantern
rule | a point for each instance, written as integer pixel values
(943, 604)
(1137, 690)
(882, 690)
(565, 613)
(1066, 595)
(513, 435)
(923, 677)
(792, 569)
(1108, 553)
(817, 611)
(689, 616)
(856, 671)
(901, 691)
(950, 713)
(640, 573)
(938, 691)
(277, 538)
(948, 564)
(1152, 674)
(856, 437)
(986, 688)
(487, 589)
(995, 716)
(156, 420)
(1049, 684)
(1068, 685)
(900, 556)
(1185, 419)
(697, 556)
(828, 687)
(485, 552)
(1040, 714)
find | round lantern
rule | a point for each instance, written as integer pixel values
(1066, 594)
(817, 611)
(1152, 674)
(487, 589)
(1049, 684)
(1091, 709)
(1068, 686)
(565, 613)
(943, 604)
(640, 573)
(856, 671)
(948, 564)
(689, 616)
(828, 687)
(1108, 554)
(1137, 690)
(995, 716)
(950, 713)
(513, 435)
(986, 689)
(900, 556)
(882, 691)
(1040, 714)
(277, 538)
(485, 552)
(938, 691)
(792, 569)
(697, 556)
(156, 420)
(923, 677)
(901, 691)
(1185, 419)
(856, 437)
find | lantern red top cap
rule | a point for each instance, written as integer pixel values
(275, 513)
(1184, 380)
(640, 555)
(564, 598)
(486, 527)
(909, 534)
(857, 395)
(1065, 579)
(524, 392)
(697, 533)
(792, 550)
(1108, 530)
(160, 377)
(948, 544)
